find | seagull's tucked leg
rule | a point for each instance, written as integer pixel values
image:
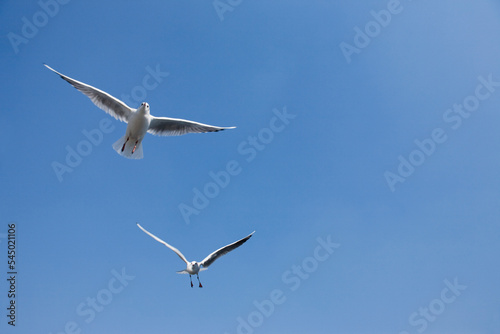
(135, 146)
(191, 280)
(201, 286)
(123, 147)
(125, 143)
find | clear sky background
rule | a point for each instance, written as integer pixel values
(398, 246)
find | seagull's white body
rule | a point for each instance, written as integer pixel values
(194, 267)
(137, 128)
(139, 120)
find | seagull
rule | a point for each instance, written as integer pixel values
(139, 120)
(194, 267)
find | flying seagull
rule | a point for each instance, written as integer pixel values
(194, 267)
(139, 120)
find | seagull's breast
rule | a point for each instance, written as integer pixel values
(138, 125)
(193, 269)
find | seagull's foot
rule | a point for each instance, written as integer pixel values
(125, 143)
(191, 284)
(201, 286)
(134, 147)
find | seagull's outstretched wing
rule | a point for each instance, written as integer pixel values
(103, 100)
(164, 126)
(224, 250)
(178, 252)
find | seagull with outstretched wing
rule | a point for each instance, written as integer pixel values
(194, 267)
(139, 120)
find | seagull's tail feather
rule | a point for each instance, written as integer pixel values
(129, 146)
(182, 272)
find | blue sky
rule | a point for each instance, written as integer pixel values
(340, 246)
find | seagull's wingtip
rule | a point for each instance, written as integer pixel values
(50, 68)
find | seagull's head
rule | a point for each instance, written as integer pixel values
(145, 107)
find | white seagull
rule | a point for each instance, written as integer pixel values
(139, 120)
(194, 267)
